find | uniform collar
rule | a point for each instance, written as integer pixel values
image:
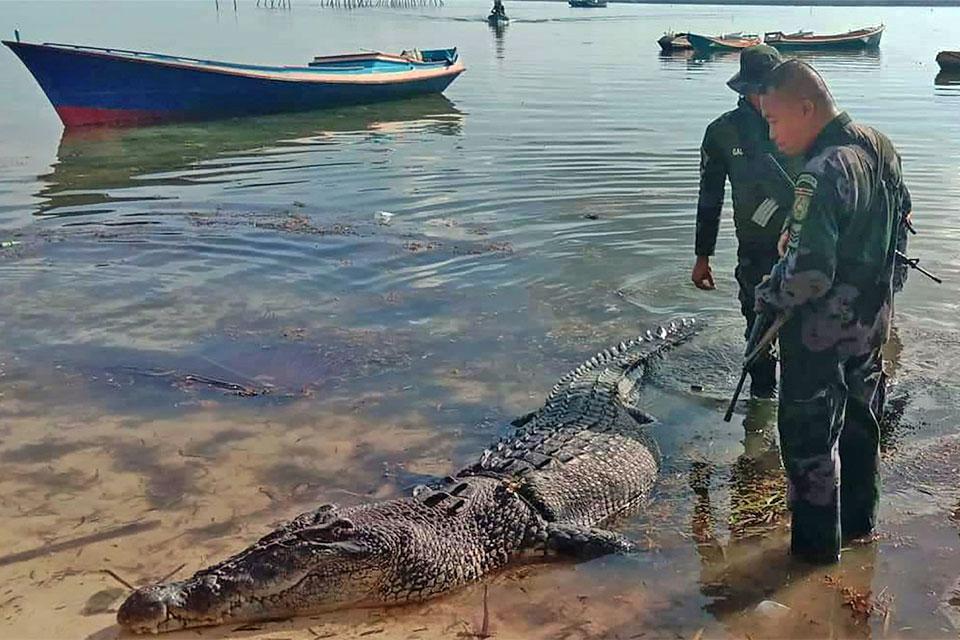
(747, 106)
(830, 134)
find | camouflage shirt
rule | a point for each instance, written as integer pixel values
(844, 226)
(734, 146)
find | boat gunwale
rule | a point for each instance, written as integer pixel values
(254, 72)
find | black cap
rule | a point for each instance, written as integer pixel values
(755, 63)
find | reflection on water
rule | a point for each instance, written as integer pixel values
(849, 61)
(948, 80)
(499, 30)
(693, 58)
(852, 58)
(94, 160)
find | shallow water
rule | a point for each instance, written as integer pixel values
(206, 330)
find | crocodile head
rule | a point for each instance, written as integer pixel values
(317, 562)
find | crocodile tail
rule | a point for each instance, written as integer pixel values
(627, 356)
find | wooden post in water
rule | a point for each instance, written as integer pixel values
(393, 4)
(276, 4)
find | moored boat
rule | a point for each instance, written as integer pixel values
(588, 4)
(674, 42)
(949, 61)
(866, 38)
(729, 42)
(94, 85)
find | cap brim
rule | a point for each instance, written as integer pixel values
(744, 87)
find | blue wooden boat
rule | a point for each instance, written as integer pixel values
(95, 86)
(587, 4)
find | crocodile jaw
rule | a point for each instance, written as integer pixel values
(201, 602)
(293, 571)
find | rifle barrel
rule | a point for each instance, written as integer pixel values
(913, 263)
(755, 348)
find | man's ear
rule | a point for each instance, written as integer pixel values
(807, 107)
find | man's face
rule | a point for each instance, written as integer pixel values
(790, 120)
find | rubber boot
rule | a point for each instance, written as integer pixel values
(815, 533)
(763, 378)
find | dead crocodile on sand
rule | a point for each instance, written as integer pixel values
(578, 461)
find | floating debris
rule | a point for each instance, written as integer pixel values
(186, 381)
(758, 500)
(862, 604)
(772, 610)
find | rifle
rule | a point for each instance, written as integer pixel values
(785, 189)
(913, 264)
(764, 330)
(901, 257)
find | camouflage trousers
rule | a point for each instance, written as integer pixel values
(830, 444)
(752, 264)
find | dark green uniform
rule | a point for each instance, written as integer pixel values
(734, 147)
(837, 277)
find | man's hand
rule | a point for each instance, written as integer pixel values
(782, 243)
(702, 275)
(759, 305)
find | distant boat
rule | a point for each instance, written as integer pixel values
(588, 4)
(867, 38)
(497, 19)
(949, 61)
(728, 42)
(674, 42)
(95, 86)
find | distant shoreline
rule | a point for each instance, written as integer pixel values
(799, 3)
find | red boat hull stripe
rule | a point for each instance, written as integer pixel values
(81, 116)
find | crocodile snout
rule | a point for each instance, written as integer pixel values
(143, 610)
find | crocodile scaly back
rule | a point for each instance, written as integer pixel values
(583, 457)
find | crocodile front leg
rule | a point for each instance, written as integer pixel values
(586, 542)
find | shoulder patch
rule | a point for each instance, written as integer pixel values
(807, 181)
(802, 194)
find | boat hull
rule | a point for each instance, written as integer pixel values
(674, 42)
(707, 44)
(587, 4)
(842, 42)
(90, 87)
(949, 61)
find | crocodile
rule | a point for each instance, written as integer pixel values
(585, 457)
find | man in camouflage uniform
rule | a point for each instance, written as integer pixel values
(836, 281)
(735, 146)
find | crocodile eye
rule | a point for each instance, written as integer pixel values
(332, 531)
